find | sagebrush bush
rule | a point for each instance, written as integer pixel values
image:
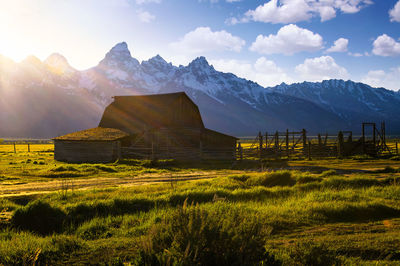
(328, 173)
(39, 217)
(304, 179)
(240, 178)
(343, 182)
(279, 178)
(311, 254)
(192, 235)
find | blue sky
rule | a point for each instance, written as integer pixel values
(269, 42)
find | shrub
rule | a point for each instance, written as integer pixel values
(304, 179)
(240, 178)
(195, 236)
(64, 169)
(328, 173)
(279, 178)
(94, 229)
(106, 168)
(342, 182)
(39, 217)
(358, 212)
(312, 255)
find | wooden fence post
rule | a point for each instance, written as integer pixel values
(15, 150)
(363, 138)
(340, 146)
(303, 132)
(276, 140)
(240, 151)
(260, 142)
(287, 142)
(29, 148)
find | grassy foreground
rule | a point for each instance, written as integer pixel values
(272, 218)
(310, 216)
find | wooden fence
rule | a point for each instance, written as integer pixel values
(297, 144)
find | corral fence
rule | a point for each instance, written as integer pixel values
(298, 144)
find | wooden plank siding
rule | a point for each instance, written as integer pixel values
(181, 143)
(87, 151)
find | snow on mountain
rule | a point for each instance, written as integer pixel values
(58, 64)
(352, 101)
(228, 103)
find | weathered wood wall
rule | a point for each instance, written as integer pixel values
(181, 143)
(86, 151)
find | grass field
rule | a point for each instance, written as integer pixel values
(319, 212)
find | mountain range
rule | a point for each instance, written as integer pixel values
(50, 98)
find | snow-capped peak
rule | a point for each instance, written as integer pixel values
(120, 56)
(58, 64)
(200, 65)
(120, 48)
(32, 60)
(200, 61)
(158, 58)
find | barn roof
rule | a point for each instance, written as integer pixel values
(95, 134)
(213, 132)
(138, 113)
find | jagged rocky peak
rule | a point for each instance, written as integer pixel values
(120, 49)
(58, 63)
(6, 60)
(157, 63)
(118, 55)
(32, 60)
(157, 58)
(200, 63)
(56, 59)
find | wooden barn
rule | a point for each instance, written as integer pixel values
(91, 145)
(158, 126)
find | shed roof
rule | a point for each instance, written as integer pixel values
(213, 132)
(95, 134)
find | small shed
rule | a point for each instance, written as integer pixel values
(95, 145)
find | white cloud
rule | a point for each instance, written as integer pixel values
(203, 39)
(385, 45)
(340, 45)
(291, 11)
(290, 39)
(394, 13)
(140, 2)
(216, 1)
(326, 13)
(145, 16)
(356, 54)
(379, 78)
(321, 68)
(263, 71)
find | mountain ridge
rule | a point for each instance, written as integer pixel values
(228, 103)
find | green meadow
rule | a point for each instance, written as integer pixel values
(277, 212)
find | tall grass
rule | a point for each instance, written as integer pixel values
(227, 220)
